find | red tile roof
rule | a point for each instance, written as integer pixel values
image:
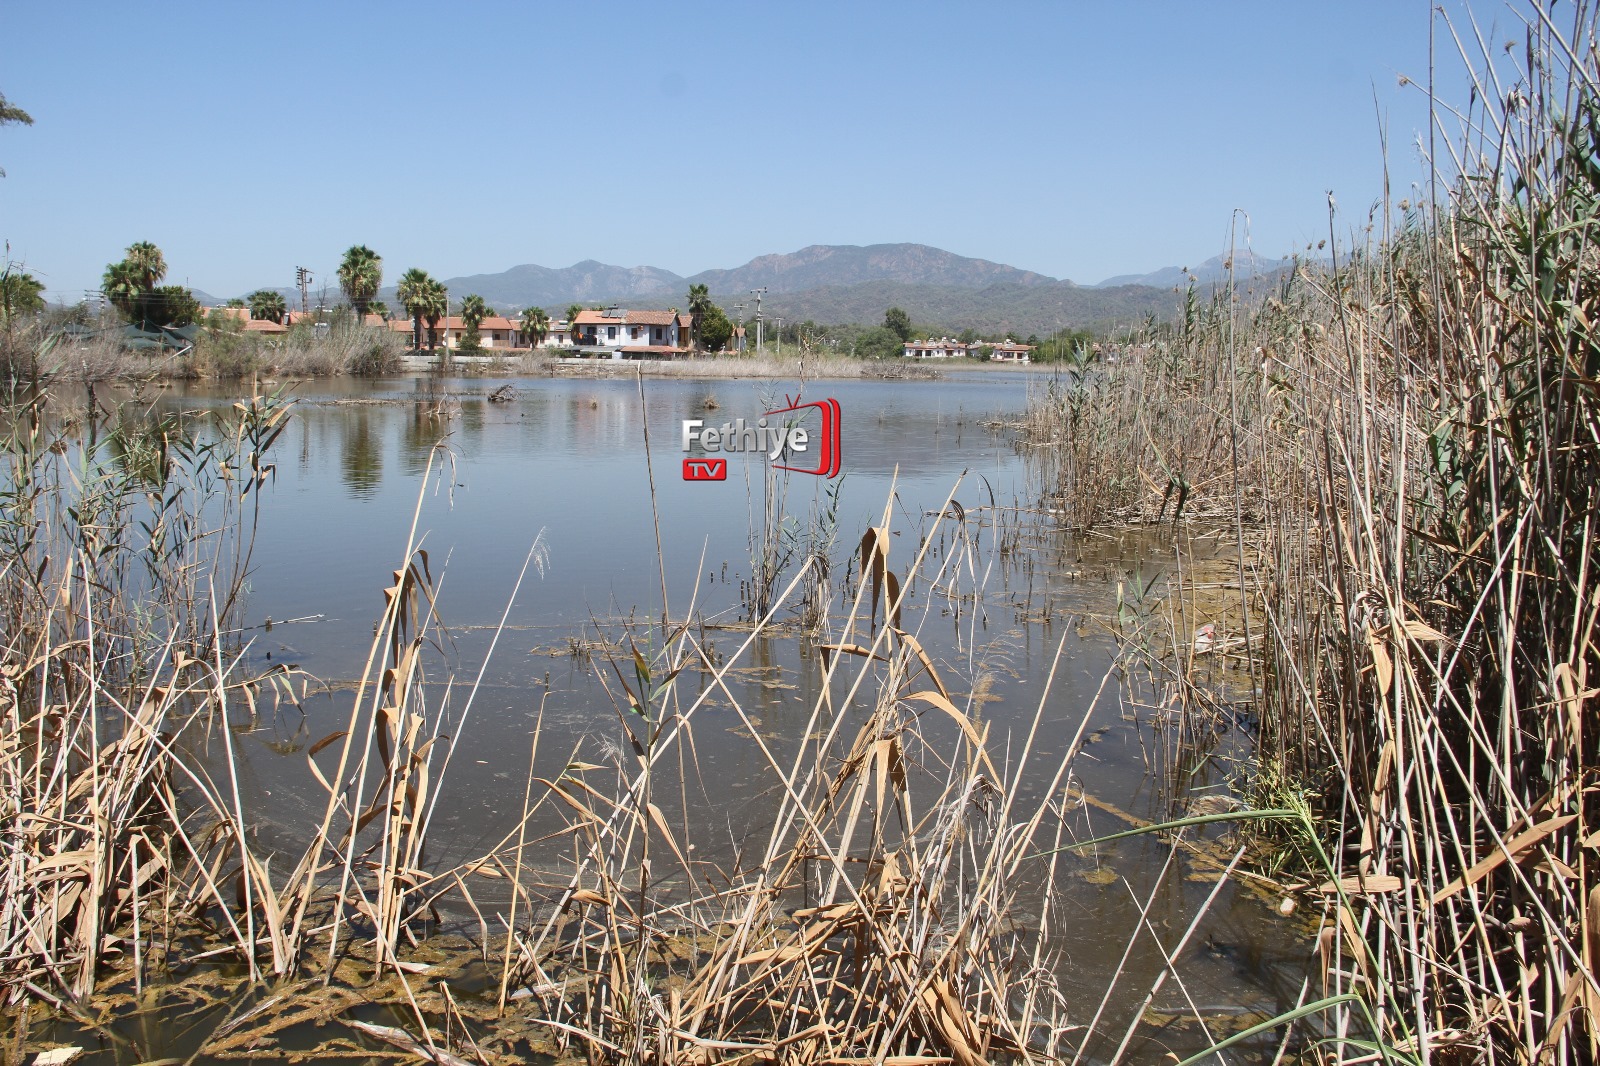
(629, 318)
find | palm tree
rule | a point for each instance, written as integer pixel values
(19, 295)
(699, 307)
(267, 306)
(413, 295)
(150, 264)
(473, 312)
(10, 114)
(121, 284)
(360, 276)
(535, 324)
(436, 305)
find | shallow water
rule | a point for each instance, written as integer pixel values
(563, 465)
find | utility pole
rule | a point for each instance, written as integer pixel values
(779, 321)
(760, 336)
(302, 278)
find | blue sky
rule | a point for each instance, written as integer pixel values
(1078, 140)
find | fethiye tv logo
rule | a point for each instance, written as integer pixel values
(801, 433)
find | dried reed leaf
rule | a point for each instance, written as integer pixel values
(1421, 631)
(56, 1056)
(1517, 847)
(1364, 885)
(851, 649)
(922, 657)
(404, 1040)
(1381, 662)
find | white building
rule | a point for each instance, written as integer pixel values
(943, 348)
(633, 334)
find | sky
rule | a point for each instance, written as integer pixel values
(1079, 140)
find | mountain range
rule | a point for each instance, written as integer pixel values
(1246, 266)
(852, 283)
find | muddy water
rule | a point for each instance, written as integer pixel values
(561, 465)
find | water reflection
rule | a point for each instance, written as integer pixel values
(360, 456)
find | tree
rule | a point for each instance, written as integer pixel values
(168, 305)
(131, 286)
(700, 306)
(573, 311)
(380, 309)
(10, 115)
(413, 296)
(120, 283)
(360, 277)
(898, 323)
(149, 265)
(267, 306)
(535, 325)
(235, 302)
(436, 305)
(473, 312)
(714, 329)
(19, 295)
(879, 342)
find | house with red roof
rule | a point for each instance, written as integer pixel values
(620, 334)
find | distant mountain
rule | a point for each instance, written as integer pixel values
(585, 282)
(1246, 265)
(822, 265)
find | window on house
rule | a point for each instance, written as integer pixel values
(611, 333)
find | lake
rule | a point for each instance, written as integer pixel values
(558, 468)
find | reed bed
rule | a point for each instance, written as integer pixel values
(1402, 449)
(899, 908)
(892, 896)
(889, 910)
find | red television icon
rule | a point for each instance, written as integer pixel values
(830, 447)
(705, 470)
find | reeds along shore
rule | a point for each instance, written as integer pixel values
(31, 354)
(1403, 449)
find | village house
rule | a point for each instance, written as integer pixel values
(633, 334)
(943, 348)
(1011, 352)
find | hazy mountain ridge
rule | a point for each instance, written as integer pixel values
(586, 282)
(830, 265)
(1246, 265)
